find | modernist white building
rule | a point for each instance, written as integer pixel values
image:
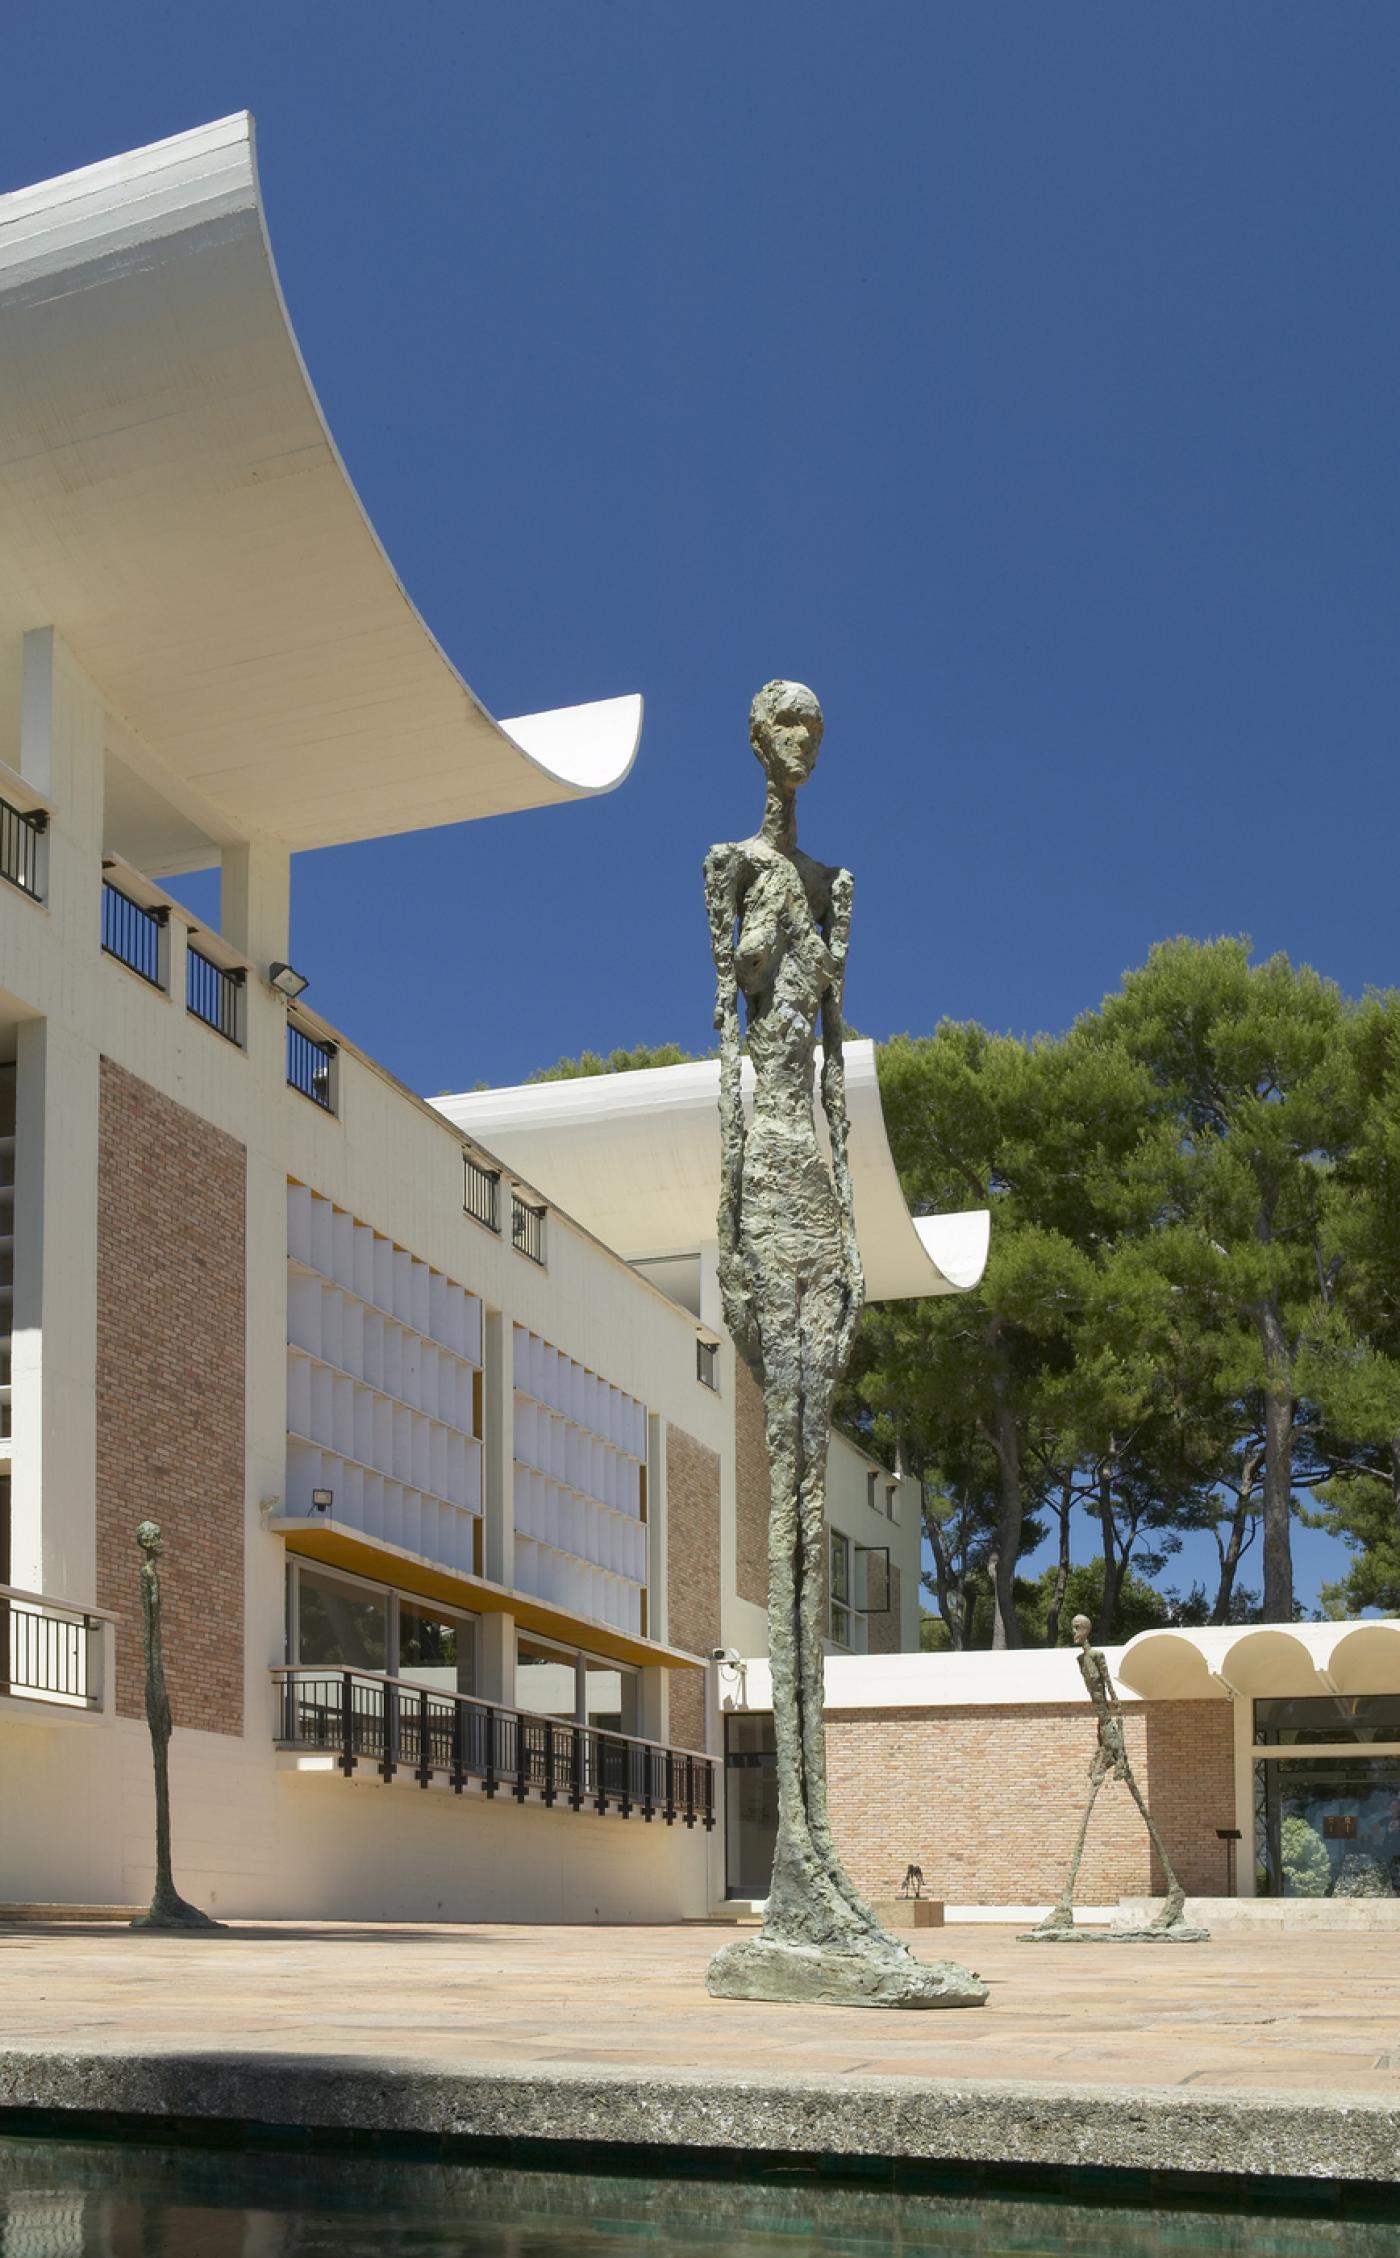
(458, 1483)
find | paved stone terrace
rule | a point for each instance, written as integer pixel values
(1227, 2053)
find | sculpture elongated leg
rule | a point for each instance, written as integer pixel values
(167, 1909)
(820, 1941)
(1061, 1914)
(1175, 1900)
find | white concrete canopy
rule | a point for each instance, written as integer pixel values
(175, 504)
(1264, 1660)
(635, 1159)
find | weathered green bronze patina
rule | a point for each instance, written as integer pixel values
(791, 1284)
(1110, 1762)
(168, 1910)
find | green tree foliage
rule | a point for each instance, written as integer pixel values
(1192, 1306)
(588, 1063)
(1191, 1310)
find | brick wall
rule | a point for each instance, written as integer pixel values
(987, 1800)
(692, 1573)
(750, 1489)
(170, 1392)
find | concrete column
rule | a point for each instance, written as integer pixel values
(711, 1309)
(54, 1356)
(653, 1706)
(496, 1657)
(255, 894)
(657, 1622)
(1247, 1851)
(498, 1447)
(54, 1363)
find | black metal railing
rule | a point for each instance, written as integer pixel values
(481, 1195)
(394, 1725)
(527, 1228)
(20, 833)
(213, 993)
(309, 1066)
(48, 1651)
(132, 933)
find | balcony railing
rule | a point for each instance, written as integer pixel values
(527, 1228)
(20, 833)
(49, 1652)
(214, 994)
(310, 1066)
(394, 1725)
(481, 1194)
(133, 934)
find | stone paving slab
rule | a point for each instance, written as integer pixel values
(1254, 2053)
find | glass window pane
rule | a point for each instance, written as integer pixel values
(341, 1625)
(1301, 1719)
(611, 1697)
(1331, 1826)
(436, 1650)
(545, 1680)
(751, 1804)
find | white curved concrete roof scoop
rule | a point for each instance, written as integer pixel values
(635, 1159)
(185, 520)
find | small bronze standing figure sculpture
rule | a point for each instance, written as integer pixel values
(1110, 1762)
(168, 1910)
(791, 1285)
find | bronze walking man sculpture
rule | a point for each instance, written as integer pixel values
(791, 1285)
(168, 1910)
(1110, 1762)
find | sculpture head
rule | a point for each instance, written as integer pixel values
(1081, 1630)
(149, 1538)
(785, 731)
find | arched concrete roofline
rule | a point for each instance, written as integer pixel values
(1365, 1657)
(192, 531)
(1168, 1666)
(1268, 1659)
(635, 1159)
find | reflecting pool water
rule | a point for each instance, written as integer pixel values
(79, 2199)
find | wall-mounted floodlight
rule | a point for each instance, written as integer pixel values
(287, 982)
(323, 1500)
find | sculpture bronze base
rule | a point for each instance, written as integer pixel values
(811, 1975)
(175, 1913)
(1180, 1932)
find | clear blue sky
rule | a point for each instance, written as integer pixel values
(1022, 377)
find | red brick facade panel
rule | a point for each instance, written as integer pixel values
(692, 1573)
(750, 1489)
(987, 1800)
(171, 1273)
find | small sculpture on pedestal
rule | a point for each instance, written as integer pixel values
(1110, 1762)
(168, 1910)
(792, 1289)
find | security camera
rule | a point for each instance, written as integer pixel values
(725, 1656)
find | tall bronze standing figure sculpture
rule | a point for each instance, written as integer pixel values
(791, 1285)
(1110, 1762)
(168, 1910)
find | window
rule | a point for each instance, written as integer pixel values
(840, 1613)
(553, 1681)
(1320, 1719)
(610, 1697)
(341, 1624)
(437, 1649)
(891, 1501)
(546, 1680)
(707, 1362)
(872, 1486)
